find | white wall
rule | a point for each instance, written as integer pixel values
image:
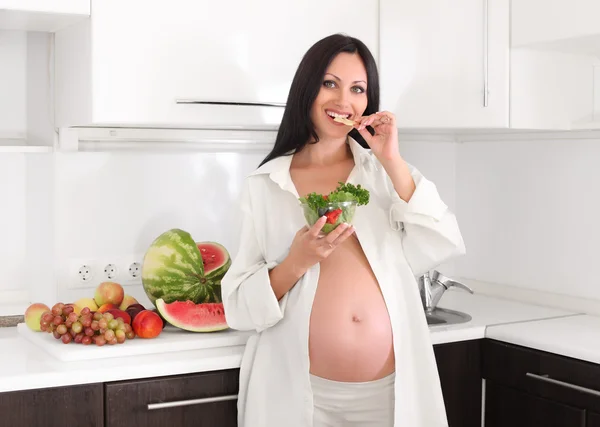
(111, 206)
(13, 220)
(530, 214)
(108, 207)
(13, 84)
(528, 210)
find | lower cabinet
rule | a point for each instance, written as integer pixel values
(459, 368)
(526, 387)
(593, 420)
(506, 406)
(523, 388)
(81, 405)
(209, 399)
(206, 399)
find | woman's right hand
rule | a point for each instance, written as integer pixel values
(310, 246)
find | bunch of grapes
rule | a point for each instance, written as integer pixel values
(86, 327)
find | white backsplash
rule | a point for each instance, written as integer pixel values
(13, 223)
(106, 206)
(113, 205)
(527, 210)
(529, 214)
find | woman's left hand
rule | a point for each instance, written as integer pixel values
(384, 143)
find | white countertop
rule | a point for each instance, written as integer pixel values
(574, 336)
(485, 311)
(24, 365)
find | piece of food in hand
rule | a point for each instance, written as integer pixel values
(344, 121)
(338, 206)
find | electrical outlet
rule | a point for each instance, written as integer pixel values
(89, 272)
(85, 273)
(135, 270)
(82, 273)
(130, 269)
(110, 272)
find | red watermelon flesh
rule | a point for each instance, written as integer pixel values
(215, 258)
(204, 317)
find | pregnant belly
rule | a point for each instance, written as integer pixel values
(350, 333)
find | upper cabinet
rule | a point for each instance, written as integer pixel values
(555, 64)
(151, 63)
(445, 63)
(526, 64)
(552, 21)
(42, 15)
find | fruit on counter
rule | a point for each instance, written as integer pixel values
(204, 317)
(108, 306)
(127, 301)
(120, 313)
(216, 261)
(33, 315)
(86, 327)
(86, 302)
(109, 293)
(173, 269)
(76, 308)
(161, 317)
(134, 309)
(147, 324)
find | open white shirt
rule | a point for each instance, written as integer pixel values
(401, 242)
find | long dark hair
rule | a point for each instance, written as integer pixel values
(297, 128)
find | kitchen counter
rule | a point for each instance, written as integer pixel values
(574, 336)
(486, 311)
(23, 365)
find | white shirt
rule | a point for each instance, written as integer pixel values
(401, 242)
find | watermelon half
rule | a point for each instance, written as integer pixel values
(216, 260)
(174, 268)
(205, 317)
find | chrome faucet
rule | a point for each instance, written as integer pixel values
(432, 287)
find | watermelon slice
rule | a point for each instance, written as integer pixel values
(186, 315)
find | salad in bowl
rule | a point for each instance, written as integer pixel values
(338, 206)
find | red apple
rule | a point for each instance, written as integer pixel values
(109, 293)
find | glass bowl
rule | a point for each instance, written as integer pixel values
(336, 212)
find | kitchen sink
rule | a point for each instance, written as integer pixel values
(443, 316)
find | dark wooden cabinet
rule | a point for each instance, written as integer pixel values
(205, 399)
(508, 407)
(81, 405)
(593, 420)
(523, 388)
(459, 367)
(529, 387)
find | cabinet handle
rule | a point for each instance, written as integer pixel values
(163, 405)
(243, 104)
(485, 52)
(546, 378)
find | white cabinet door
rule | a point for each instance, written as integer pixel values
(549, 21)
(42, 15)
(141, 56)
(433, 62)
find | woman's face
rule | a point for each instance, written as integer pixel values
(343, 92)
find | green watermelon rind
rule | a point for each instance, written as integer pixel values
(172, 269)
(163, 309)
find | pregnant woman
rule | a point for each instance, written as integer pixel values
(341, 336)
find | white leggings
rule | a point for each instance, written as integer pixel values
(349, 404)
